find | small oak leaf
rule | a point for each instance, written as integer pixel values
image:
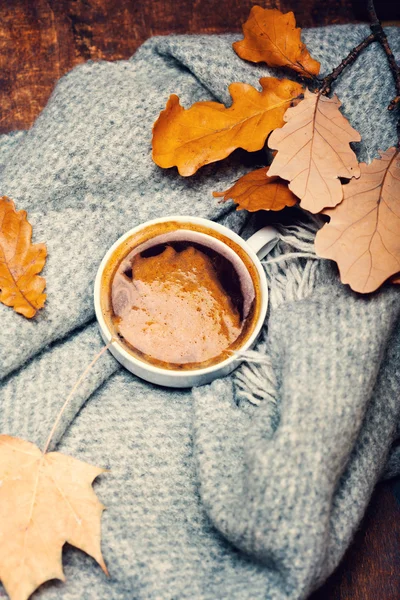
(20, 262)
(314, 151)
(46, 500)
(363, 234)
(271, 37)
(256, 191)
(208, 131)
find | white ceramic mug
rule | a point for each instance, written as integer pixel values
(256, 248)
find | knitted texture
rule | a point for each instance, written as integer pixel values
(249, 488)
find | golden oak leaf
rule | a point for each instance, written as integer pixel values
(271, 37)
(20, 262)
(208, 131)
(46, 500)
(314, 151)
(256, 191)
(363, 235)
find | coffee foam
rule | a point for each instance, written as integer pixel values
(183, 235)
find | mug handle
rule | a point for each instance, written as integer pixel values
(263, 241)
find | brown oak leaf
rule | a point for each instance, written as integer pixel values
(271, 37)
(208, 131)
(363, 235)
(20, 262)
(314, 151)
(256, 191)
(46, 500)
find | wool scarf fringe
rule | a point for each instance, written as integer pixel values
(291, 271)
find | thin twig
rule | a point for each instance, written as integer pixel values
(346, 62)
(72, 392)
(377, 29)
(377, 35)
(381, 37)
(372, 12)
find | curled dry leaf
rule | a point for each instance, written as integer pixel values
(20, 262)
(363, 235)
(314, 151)
(46, 500)
(271, 37)
(208, 131)
(256, 191)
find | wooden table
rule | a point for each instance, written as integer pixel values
(40, 40)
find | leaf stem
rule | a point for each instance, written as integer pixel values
(72, 392)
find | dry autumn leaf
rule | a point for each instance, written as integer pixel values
(20, 262)
(46, 500)
(314, 151)
(271, 37)
(256, 191)
(208, 131)
(363, 235)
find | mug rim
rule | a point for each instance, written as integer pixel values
(117, 348)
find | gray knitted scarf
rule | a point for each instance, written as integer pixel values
(249, 488)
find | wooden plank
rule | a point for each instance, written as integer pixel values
(42, 40)
(370, 569)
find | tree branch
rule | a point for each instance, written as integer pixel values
(377, 29)
(346, 62)
(381, 37)
(377, 35)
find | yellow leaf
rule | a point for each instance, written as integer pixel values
(271, 37)
(363, 235)
(20, 262)
(46, 500)
(208, 131)
(256, 191)
(314, 151)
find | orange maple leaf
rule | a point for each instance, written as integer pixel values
(314, 151)
(256, 191)
(363, 235)
(271, 37)
(208, 131)
(20, 262)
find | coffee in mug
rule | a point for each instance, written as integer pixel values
(180, 296)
